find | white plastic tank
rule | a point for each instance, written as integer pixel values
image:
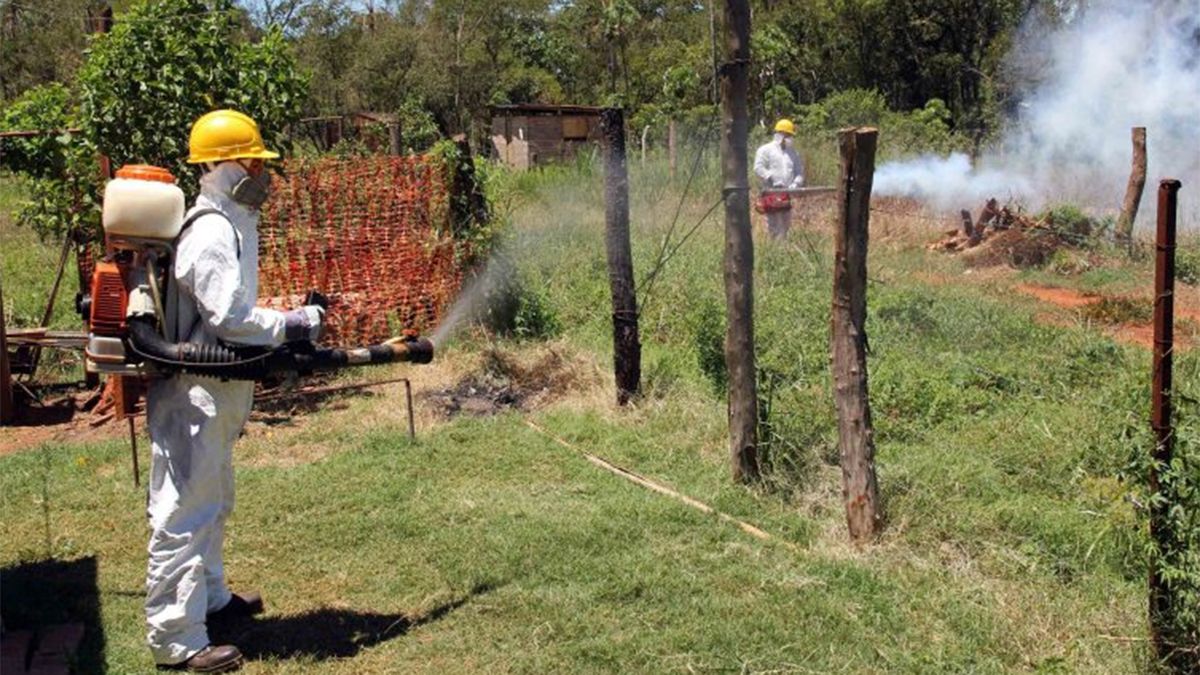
(144, 202)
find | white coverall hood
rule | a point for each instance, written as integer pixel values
(217, 185)
(193, 421)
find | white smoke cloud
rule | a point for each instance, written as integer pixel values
(1116, 65)
(946, 182)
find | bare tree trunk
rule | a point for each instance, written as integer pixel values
(1137, 183)
(856, 437)
(739, 246)
(627, 350)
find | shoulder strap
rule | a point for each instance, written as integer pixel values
(191, 220)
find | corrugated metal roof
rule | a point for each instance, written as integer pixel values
(545, 109)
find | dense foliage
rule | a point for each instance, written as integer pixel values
(168, 62)
(59, 168)
(451, 59)
(165, 63)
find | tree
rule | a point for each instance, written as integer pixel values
(165, 63)
(169, 61)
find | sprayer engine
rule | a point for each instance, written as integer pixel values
(129, 335)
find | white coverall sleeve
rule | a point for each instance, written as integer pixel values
(207, 268)
(798, 165)
(762, 164)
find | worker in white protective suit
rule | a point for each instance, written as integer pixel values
(778, 167)
(192, 420)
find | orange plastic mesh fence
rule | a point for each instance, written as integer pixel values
(372, 234)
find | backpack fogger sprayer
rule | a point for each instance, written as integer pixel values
(131, 336)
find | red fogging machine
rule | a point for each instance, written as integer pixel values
(131, 336)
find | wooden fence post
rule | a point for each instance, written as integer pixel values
(7, 413)
(1133, 192)
(856, 441)
(627, 349)
(739, 246)
(671, 149)
(395, 140)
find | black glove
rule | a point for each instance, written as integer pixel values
(317, 298)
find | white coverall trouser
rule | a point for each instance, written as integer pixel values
(778, 167)
(193, 421)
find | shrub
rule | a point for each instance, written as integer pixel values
(510, 307)
(923, 130)
(709, 341)
(169, 62)
(164, 64)
(1187, 266)
(1118, 310)
(45, 108)
(59, 170)
(1176, 554)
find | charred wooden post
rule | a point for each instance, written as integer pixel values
(627, 349)
(1160, 405)
(989, 214)
(973, 233)
(739, 245)
(1137, 184)
(856, 436)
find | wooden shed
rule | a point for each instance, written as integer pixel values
(529, 134)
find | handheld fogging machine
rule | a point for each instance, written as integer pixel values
(130, 335)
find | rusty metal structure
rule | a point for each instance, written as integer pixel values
(1161, 385)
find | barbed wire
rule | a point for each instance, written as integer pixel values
(661, 259)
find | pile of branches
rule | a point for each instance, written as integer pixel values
(993, 220)
(1003, 235)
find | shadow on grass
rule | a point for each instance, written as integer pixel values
(39, 595)
(327, 633)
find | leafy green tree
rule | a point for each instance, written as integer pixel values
(165, 63)
(59, 171)
(169, 61)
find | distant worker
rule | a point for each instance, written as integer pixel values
(193, 421)
(778, 167)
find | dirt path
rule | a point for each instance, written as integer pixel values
(1130, 332)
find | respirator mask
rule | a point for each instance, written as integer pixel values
(252, 191)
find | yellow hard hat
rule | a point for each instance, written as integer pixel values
(226, 134)
(785, 126)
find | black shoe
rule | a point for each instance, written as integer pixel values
(238, 607)
(222, 659)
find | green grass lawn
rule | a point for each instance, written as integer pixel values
(27, 269)
(1012, 543)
